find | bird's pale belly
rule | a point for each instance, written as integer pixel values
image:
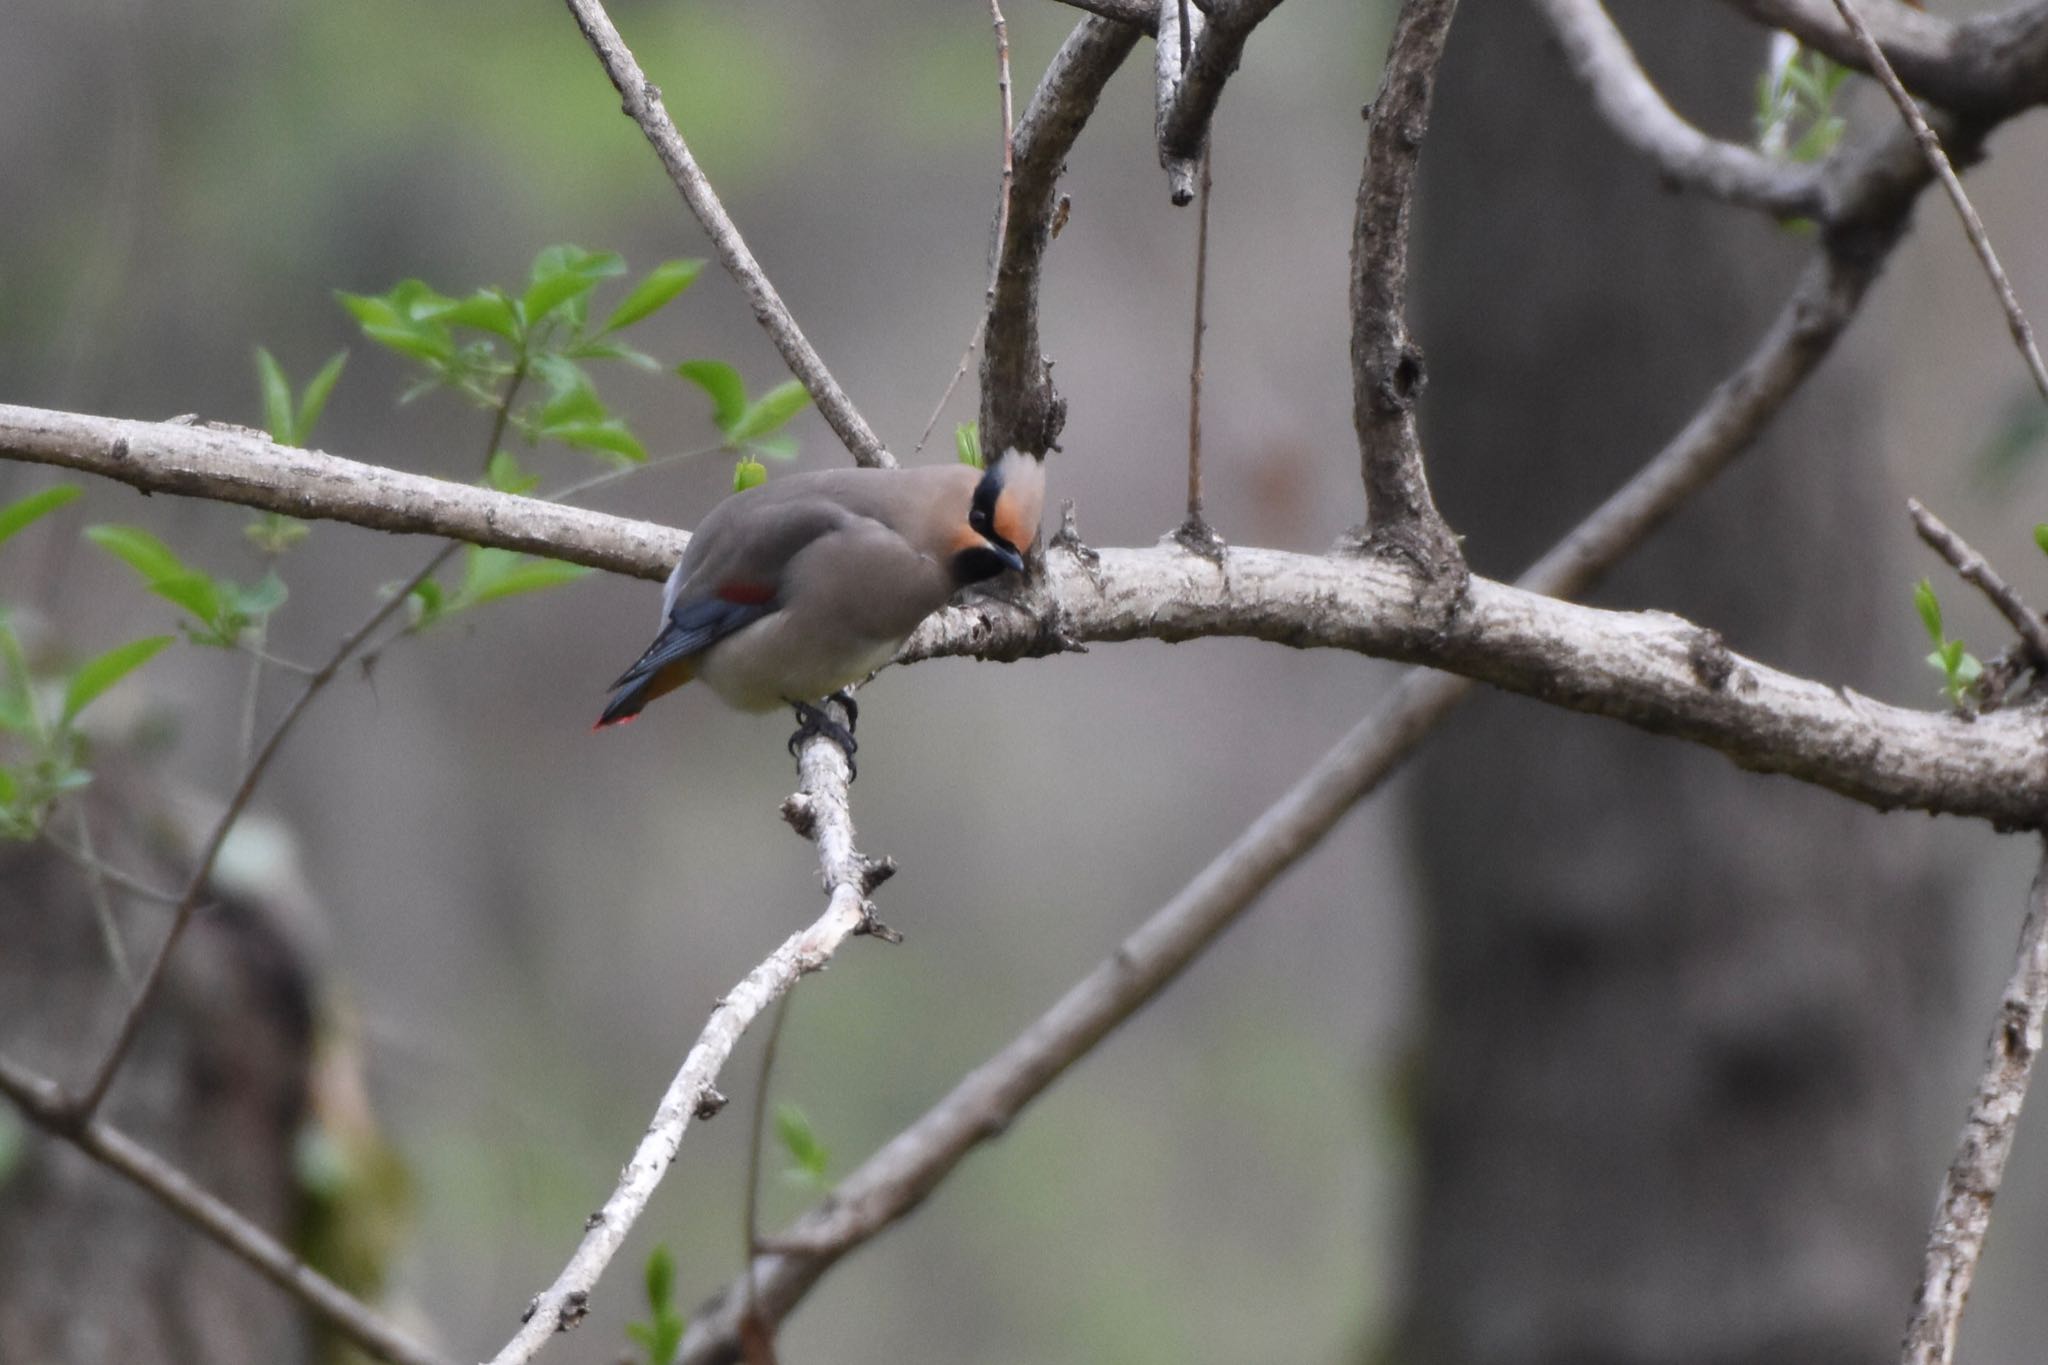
(763, 667)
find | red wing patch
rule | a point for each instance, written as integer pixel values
(746, 594)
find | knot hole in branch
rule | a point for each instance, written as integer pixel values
(1401, 384)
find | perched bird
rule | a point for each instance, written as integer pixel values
(796, 589)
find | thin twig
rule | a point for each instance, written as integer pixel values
(88, 1102)
(114, 876)
(605, 478)
(1963, 1215)
(750, 1218)
(1002, 220)
(1195, 533)
(96, 880)
(818, 811)
(1386, 366)
(43, 1103)
(252, 689)
(1635, 111)
(1976, 570)
(1937, 160)
(643, 104)
(986, 1102)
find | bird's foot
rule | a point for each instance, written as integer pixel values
(813, 721)
(844, 697)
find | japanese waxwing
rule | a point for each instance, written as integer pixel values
(805, 585)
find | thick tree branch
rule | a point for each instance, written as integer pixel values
(898, 1177)
(1964, 1214)
(1183, 125)
(1020, 408)
(1652, 670)
(1386, 366)
(641, 100)
(1635, 111)
(819, 812)
(1984, 68)
(43, 1103)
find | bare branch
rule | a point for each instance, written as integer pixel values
(1386, 367)
(820, 813)
(1985, 68)
(1184, 126)
(40, 1100)
(986, 1102)
(1645, 669)
(1180, 28)
(1139, 14)
(1020, 408)
(1963, 1215)
(1195, 533)
(1001, 228)
(1930, 146)
(642, 102)
(1974, 569)
(1635, 111)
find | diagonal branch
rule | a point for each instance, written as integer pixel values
(1976, 570)
(1386, 367)
(1020, 408)
(641, 100)
(1937, 160)
(1635, 111)
(819, 812)
(898, 1177)
(1963, 1216)
(40, 1100)
(1180, 28)
(1988, 67)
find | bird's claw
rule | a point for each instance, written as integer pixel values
(813, 721)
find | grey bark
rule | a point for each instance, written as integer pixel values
(1669, 1029)
(92, 1271)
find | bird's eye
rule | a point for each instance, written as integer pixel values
(978, 519)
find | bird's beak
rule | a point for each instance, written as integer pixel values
(1011, 559)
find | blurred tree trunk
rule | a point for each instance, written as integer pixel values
(1672, 1024)
(93, 1271)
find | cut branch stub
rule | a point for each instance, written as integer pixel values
(1386, 365)
(1020, 408)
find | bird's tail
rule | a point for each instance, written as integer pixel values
(641, 684)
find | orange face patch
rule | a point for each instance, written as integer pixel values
(1022, 502)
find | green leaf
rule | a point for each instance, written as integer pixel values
(1929, 607)
(425, 606)
(314, 401)
(22, 511)
(571, 395)
(801, 1142)
(661, 1278)
(490, 573)
(769, 412)
(722, 382)
(140, 550)
(97, 675)
(405, 318)
(609, 437)
(748, 473)
(562, 274)
(662, 285)
(613, 350)
(277, 398)
(10, 789)
(2040, 533)
(967, 444)
(489, 310)
(504, 474)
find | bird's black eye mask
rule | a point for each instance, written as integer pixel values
(977, 563)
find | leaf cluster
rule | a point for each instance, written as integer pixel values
(661, 1335)
(1959, 668)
